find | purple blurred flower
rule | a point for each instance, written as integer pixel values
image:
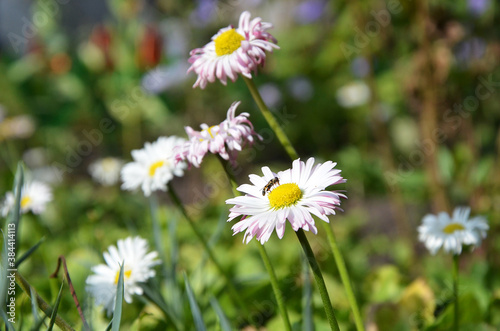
(360, 67)
(301, 88)
(204, 12)
(470, 50)
(271, 95)
(478, 7)
(309, 11)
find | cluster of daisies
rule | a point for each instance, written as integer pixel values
(270, 200)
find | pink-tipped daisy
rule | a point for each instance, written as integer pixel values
(225, 139)
(295, 195)
(440, 230)
(233, 51)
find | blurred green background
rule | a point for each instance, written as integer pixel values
(404, 95)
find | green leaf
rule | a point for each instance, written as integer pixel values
(307, 319)
(195, 310)
(29, 252)
(223, 321)
(13, 222)
(469, 309)
(117, 311)
(53, 316)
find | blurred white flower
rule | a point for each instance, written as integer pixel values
(271, 95)
(163, 78)
(153, 166)
(106, 171)
(354, 94)
(34, 197)
(440, 230)
(21, 126)
(137, 263)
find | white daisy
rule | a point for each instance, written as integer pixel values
(354, 94)
(233, 51)
(295, 195)
(106, 171)
(34, 197)
(440, 230)
(137, 263)
(154, 166)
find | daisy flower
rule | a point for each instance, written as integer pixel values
(106, 171)
(153, 167)
(233, 51)
(225, 139)
(440, 230)
(137, 263)
(34, 197)
(295, 195)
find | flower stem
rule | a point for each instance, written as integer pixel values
(344, 276)
(44, 306)
(230, 286)
(274, 284)
(292, 153)
(320, 282)
(455, 291)
(271, 120)
(263, 254)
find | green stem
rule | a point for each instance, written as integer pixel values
(44, 306)
(271, 120)
(263, 254)
(155, 224)
(455, 291)
(320, 282)
(230, 286)
(344, 276)
(274, 284)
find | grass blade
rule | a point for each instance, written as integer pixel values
(223, 321)
(11, 228)
(195, 310)
(56, 306)
(29, 252)
(34, 307)
(307, 320)
(117, 312)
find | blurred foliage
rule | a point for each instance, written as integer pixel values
(73, 90)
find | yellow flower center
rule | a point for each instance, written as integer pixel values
(126, 275)
(154, 167)
(228, 42)
(452, 227)
(209, 130)
(25, 202)
(108, 164)
(284, 195)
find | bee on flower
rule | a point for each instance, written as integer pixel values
(294, 195)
